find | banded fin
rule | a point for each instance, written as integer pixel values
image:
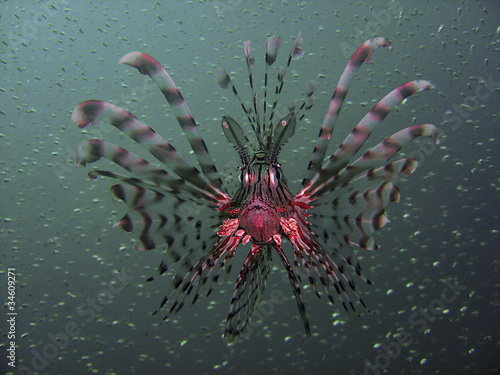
(165, 221)
(248, 290)
(94, 111)
(149, 66)
(374, 157)
(208, 267)
(363, 54)
(273, 45)
(357, 137)
(356, 201)
(149, 176)
(295, 54)
(357, 206)
(322, 262)
(332, 274)
(294, 280)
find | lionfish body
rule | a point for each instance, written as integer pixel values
(340, 203)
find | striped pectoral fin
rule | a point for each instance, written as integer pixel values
(140, 219)
(357, 137)
(367, 179)
(358, 228)
(341, 252)
(358, 207)
(364, 225)
(90, 111)
(297, 52)
(93, 111)
(151, 216)
(213, 267)
(374, 117)
(391, 146)
(370, 161)
(315, 267)
(363, 54)
(197, 259)
(148, 175)
(179, 192)
(361, 197)
(333, 271)
(149, 66)
(195, 279)
(248, 291)
(385, 150)
(142, 223)
(295, 285)
(165, 221)
(92, 150)
(305, 262)
(192, 282)
(137, 197)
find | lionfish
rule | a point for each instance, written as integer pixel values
(340, 203)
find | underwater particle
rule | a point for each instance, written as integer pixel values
(217, 367)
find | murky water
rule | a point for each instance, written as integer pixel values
(82, 302)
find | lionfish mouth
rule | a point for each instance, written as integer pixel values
(187, 209)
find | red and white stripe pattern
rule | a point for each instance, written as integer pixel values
(363, 54)
(185, 208)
